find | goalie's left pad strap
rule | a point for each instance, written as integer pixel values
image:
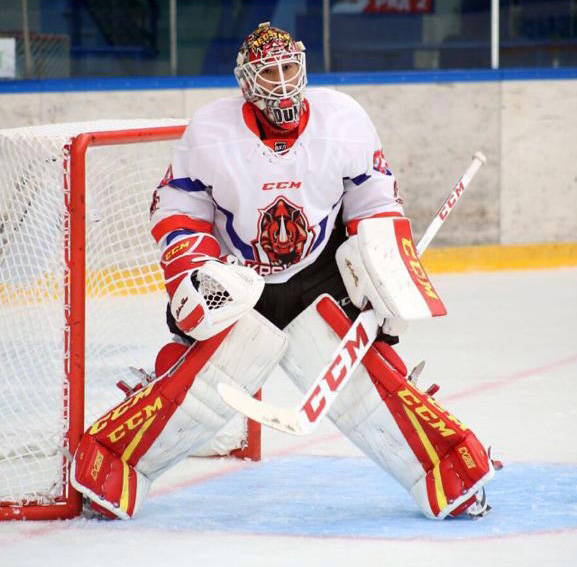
(425, 448)
(160, 424)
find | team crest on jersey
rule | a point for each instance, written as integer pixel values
(284, 234)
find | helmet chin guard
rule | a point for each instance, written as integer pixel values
(271, 72)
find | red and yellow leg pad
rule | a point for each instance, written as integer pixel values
(104, 464)
(162, 422)
(115, 488)
(429, 451)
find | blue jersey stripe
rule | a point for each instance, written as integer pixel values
(187, 184)
(244, 248)
(323, 225)
(321, 237)
(359, 179)
(180, 232)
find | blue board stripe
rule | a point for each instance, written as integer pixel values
(315, 79)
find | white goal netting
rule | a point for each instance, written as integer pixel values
(125, 299)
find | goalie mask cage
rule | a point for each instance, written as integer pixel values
(81, 297)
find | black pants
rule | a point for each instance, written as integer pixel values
(281, 303)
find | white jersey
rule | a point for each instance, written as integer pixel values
(275, 212)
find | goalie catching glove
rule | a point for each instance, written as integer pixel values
(207, 294)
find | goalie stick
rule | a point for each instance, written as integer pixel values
(303, 419)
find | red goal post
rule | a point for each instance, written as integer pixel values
(81, 297)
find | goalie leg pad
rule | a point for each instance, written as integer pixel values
(407, 433)
(108, 481)
(160, 424)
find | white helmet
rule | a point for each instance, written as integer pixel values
(271, 72)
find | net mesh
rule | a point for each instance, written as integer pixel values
(125, 299)
(215, 295)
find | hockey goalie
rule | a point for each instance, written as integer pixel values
(278, 221)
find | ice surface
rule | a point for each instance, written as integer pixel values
(506, 360)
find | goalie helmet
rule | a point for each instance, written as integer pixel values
(271, 73)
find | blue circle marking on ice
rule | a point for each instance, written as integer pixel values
(351, 497)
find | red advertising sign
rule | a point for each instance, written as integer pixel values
(399, 6)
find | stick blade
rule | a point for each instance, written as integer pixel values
(281, 419)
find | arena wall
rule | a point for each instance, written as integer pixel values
(526, 194)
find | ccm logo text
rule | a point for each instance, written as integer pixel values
(338, 370)
(451, 201)
(281, 185)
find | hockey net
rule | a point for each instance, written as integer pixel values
(81, 297)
